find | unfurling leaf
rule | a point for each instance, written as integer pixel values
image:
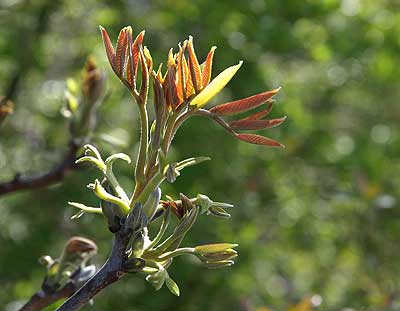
(108, 47)
(152, 202)
(259, 140)
(194, 67)
(215, 86)
(244, 104)
(207, 67)
(84, 209)
(172, 286)
(121, 156)
(247, 124)
(120, 54)
(214, 248)
(261, 114)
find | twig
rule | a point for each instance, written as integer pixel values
(42, 299)
(111, 272)
(49, 178)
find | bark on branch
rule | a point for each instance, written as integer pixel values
(109, 273)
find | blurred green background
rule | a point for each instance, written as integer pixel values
(318, 218)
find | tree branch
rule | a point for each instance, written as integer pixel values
(111, 272)
(49, 178)
(42, 299)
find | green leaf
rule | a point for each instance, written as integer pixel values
(214, 248)
(84, 209)
(122, 156)
(190, 162)
(215, 86)
(96, 162)
(172, 286)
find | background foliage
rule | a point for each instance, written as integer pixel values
(319, 218)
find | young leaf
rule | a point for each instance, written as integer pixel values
(259, 140)
(108, 47)
(247, 124)
(120, 55)
(172, 286)
(215, 86)
(244, 104)
(194, 67)
(207, 67)
(261, 114)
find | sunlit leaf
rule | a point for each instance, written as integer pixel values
(246, 124)
(215, 86)
(244, 104)
(259, 140)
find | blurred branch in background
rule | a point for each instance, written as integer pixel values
(81, 115)
(64, 274)
(30, 41)
(6, 108)
(53, 176)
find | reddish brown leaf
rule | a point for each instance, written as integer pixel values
(189, 82)
(144, 87)
(120, 54)
(181, 76)
(194, 67)
(136, 46)
(207, 67)
(130, 70)
(170, 89)
(261, 114)
(259, 140)
(246, 124)
(244, 104)
(108, 47)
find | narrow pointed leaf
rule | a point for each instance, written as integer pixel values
(194, 66)
(86, 209)
(144, 87)
(261, 114)
(108, 47)
(120, 54)
(215, 86)
(246, 124)
(172, 286)
(136, 46)
(244, 104)
(259, 140)
(207, 67)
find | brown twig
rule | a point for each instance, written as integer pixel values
(53, 176)
(42, 299)
(109, 273)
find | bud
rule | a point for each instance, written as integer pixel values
(93, 81)
(152, 202)
(136, 219)
(80, 245)
(216, 255)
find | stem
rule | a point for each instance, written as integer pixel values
(108, 274)
(177, 252)
(144, 138)
(168, 134)
(150, 186)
